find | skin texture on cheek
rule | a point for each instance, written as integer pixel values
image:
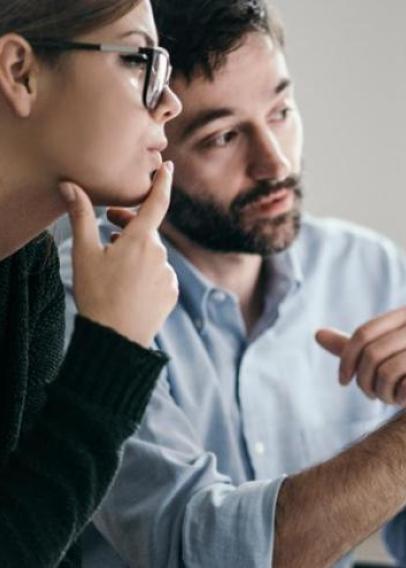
(137, 87)
(204, 177)
(99, 131)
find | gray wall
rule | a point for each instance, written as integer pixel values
(348, 60)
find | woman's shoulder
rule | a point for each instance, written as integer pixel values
(34, 256)
(36, 266)
(40, 255)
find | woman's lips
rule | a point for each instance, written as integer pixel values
(157, 147)
(157, 159)
(276, 203)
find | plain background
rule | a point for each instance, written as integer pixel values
(348, 61)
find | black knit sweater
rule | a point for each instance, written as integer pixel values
(61, 426)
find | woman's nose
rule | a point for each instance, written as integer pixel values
(169, 106)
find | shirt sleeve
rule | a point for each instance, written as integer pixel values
(395, 537)
(170, 507)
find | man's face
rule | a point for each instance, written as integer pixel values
(237, 149)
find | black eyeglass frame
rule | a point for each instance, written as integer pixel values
(150, 56)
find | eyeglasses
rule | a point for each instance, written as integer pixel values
(156, 59)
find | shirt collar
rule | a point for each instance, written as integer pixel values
(194, 287)
(284, 276)
(284, 273)
(286, 265)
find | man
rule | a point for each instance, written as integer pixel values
(249, 398)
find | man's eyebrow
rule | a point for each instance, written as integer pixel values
(148, 39)
(282, 86)
(210, 115)
(203, 118)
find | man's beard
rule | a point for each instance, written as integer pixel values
(205, 222)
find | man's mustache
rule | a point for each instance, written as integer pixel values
(265, 189)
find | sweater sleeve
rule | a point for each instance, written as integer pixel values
(67, 457)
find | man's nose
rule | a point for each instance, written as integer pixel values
(267, 158)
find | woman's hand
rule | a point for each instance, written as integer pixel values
(375, 354)
(127, 285)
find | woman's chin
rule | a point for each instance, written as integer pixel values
(118, 197)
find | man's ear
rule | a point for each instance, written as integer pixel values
(17, 74)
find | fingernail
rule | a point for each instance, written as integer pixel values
(67, 192)
(400, 398)
(342, 377)
(170, 166)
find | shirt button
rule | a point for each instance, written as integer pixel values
(219, 296)
(259, 448)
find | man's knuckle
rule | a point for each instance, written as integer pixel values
(371, 354)
(361, 335)
(385, 373)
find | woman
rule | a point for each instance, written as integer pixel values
(83, 104)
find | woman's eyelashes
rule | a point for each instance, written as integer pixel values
(133, 60)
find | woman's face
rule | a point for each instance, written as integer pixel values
(93, 127)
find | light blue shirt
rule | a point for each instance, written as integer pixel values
(233, 415)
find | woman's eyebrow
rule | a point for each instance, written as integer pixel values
(148, 39)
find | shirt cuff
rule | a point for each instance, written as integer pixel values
(228, 526)
(110, 371)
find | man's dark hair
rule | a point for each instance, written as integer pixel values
(199, 34)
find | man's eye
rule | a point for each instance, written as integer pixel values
(223, 140)
(281, 115)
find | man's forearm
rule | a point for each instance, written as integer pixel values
(323, 512)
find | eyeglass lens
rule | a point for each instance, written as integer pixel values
(159, 76)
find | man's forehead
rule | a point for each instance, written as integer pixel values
(258, 47)
(257, 60)
(255, 72)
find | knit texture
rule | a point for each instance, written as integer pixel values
(61, 423)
